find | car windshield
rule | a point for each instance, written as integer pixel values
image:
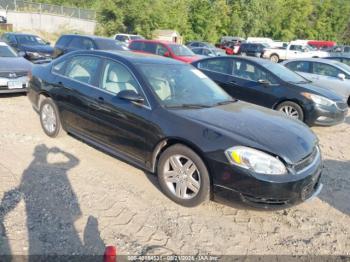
(181, 50)
(30, 40)
(343, 66)
(183, 86)
(110, 44)
(6, 51)
(284, 73)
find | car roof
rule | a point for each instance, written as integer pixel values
(132, 57)
(94, 37)
(3, 43)
(257, 60)
(156, 41)
(24, 34)
(320, 60)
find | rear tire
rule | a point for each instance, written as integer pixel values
(183, 176)
(50, 118)
(274, 58)
(291, 109)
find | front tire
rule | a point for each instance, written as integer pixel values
(291, 109)
(50, 118)
(183, 176)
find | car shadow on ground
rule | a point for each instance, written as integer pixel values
(51, 208)
(336, 181)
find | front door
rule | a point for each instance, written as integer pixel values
(120, 124)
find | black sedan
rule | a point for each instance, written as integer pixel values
(31, 47)
(169, 118)
(70, 43)
(14, 71)
(271, 85)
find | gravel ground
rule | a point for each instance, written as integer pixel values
(62, 196)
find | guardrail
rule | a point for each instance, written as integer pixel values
(24, 6)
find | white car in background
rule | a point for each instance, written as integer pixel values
(325, 73)
(295, 49)
(127, 38)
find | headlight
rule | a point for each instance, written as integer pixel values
(33, 54)
(255, 160)
(319, 99)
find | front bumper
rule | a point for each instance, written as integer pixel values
(236, 186)
(326, 116)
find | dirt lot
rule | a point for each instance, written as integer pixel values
(63, 196)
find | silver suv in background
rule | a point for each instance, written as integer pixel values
(127, 38)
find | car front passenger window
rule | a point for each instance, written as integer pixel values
(117, 77)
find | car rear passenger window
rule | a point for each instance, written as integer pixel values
(116, 77)
(63, 41)
(216, 65)
(326, 70)
(83, 69)
(251, 72)
(301, 66)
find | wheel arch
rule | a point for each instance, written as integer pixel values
(170, 141)
(290, 100)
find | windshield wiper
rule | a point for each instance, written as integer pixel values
(189, 106)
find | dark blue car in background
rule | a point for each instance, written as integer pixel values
(31, 47)
(271, 85)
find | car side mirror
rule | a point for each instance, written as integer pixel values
(167, 54)
(48, 43)
(131, 96)
(264, 82)
(341, 76)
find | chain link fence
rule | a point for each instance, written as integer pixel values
(24, 6)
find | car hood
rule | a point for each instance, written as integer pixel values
(14, 64)
(257, 127)
(38, 48)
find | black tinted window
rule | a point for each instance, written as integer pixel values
(216, 65)
(251, 72)
(81, 43)
(300, 66)
(326, 70)
(136, 46)
(83, 69)
(63, 41)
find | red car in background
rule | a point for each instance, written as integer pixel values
(164, 48)
(320, 44)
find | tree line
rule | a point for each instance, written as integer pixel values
(208, 20)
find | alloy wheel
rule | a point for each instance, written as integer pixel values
(182, 177)
(48, 118)
(290, 111)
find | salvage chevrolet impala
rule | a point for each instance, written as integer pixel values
(168, 118)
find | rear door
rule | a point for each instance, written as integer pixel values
(219, 70)
(76, 81)
(247, 77)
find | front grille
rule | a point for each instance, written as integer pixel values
(307, 161)
(342, 105)
(13, 74)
